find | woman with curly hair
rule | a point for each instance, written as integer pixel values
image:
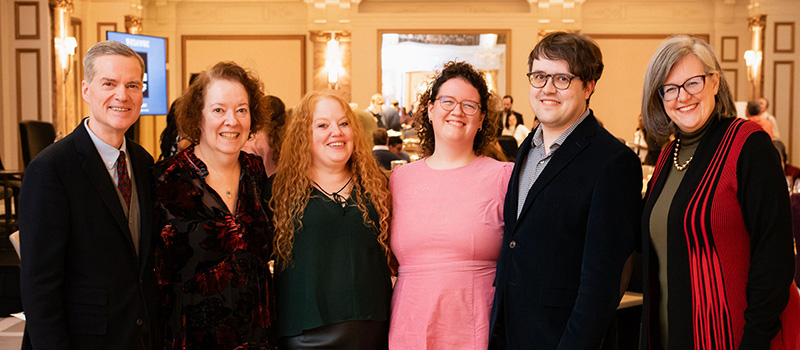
(447, 223)
(212, 255)
(331, 211)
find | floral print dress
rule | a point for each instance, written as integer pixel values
(215, 287)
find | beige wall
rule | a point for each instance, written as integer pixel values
(25, 75)
(627, 31)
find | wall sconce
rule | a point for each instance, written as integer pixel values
(64, 45)
(333, 61)
(752, 59)
(65, 48)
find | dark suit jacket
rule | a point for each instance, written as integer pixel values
(558, 274)
(83, 286)
(384, 157)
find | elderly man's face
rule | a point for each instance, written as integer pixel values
(507, 104)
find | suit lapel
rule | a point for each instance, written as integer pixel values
(97, 174)
(571, 147)
(512, 193)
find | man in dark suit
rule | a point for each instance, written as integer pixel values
(571, 213)
(508, 105)
(86, 221)
(381, 151)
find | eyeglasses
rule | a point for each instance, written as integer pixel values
(692, 86)
(561, 81)
(449, 103)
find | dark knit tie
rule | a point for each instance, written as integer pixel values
(123, 180)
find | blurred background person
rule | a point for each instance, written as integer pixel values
(514, 126)
(381, 151)
(753, 113)
(717, 229)
(212, 254)
(763, 103)
(508, 105)
(396, 146)
(391, 116)
(171, 142)
(331, 211)
(368, 122)
(375, 108)
(266, 142)
(448, 218)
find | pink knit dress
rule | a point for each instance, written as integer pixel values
(447, 229)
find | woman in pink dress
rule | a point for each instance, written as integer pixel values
(447, 224)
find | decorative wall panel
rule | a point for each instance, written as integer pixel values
(729, 49)
(26, 20)
(784, 37)
(782, 106)
(29, 95)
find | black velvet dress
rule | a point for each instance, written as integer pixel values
(215, 287)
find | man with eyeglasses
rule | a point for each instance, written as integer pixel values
(571, 212)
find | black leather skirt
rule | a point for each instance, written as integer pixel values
(350, 335)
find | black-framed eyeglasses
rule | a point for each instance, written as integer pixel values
(449, 103)
(692, 86)
(561, 81)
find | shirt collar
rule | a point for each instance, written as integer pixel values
(108, 153)
(538, 137)
(380, 147)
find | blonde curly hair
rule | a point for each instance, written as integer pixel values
(291, 188)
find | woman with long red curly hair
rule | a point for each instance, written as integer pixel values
(331, 208)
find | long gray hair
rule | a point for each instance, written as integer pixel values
(654, 118)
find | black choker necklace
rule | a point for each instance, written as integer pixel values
(338, 198)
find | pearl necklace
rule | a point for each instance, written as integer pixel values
(675, 156)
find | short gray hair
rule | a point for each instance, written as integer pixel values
(105, 48)
(654, 118)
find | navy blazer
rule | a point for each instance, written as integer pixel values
(558, 274)
(83, 285)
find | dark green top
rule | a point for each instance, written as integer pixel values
(338, 271)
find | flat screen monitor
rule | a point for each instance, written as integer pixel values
(153, 52)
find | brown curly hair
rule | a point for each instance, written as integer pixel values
(189, 114)
(291, 187)
(490, 108)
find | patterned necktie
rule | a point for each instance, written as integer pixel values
(123, 180)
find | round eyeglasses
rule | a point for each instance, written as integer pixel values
(449, 103)
(692, 86)
(561, 81)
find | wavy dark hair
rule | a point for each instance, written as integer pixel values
(189, 114)
(490, 108)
